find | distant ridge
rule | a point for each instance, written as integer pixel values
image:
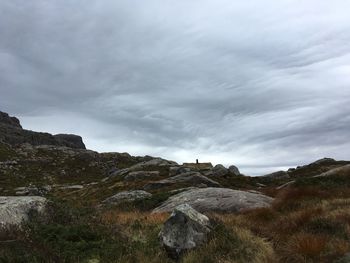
(11, 132)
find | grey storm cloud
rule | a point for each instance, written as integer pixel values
(260, 84)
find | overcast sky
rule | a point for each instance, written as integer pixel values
(260, 84)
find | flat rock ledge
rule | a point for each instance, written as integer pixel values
(190, 178)
(126, 196)
(16, 209)
(216, 199)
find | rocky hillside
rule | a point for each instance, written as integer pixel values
(11, 132)
(63, 203)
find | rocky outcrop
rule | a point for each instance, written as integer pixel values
(216, 199)
(219, 170)
(153, 162)
(178, 170)
(324, 161)
(285, 185)
(276, 175)
(190, 178)
(316, 168)
(12, 121)
(16, 209)
(70, 140)
(118, 172)
(127, 196)
(33, 190)
(184, 230)
(71, 187)
(11, 132)
(343, 170)
(198, 166)
(234, 170)
(140, 175)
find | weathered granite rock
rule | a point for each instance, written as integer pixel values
(178, 170)
(72, 187)
(219, 170)
(33, 190)
(343, 170)
(153, 162)
(324, 161)
(120, 172)
(16, 209)
(201, 167)
(127, 196)
(185, 229)
(190, 178)
(285, 185)
(216, 199)
(140, 175)
(234, 170)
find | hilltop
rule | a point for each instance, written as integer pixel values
(11, 132)
(110, 207)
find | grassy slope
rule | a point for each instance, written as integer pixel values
(308, 222)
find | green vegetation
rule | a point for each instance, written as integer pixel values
(309, 220)
(6, 153)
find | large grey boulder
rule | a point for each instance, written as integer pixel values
(184, 230)
(16, 209)
(153, 162)
(127, 196)
(140, 175)
(190, 178)
(234, 170)
(216, 199)
(219, 170)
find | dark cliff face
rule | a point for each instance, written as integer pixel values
(6, 119)
(70, 140)
(11, 132)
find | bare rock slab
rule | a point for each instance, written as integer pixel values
(190, 178)
(216, 199)
(140, 175)
(343, 170)
(16, 209)
(184, 230)
(127, 196)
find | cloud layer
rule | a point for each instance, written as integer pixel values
(260, 84)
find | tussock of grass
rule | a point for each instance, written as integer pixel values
(235, 245)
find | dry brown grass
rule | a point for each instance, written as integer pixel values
(309, 227)
(233, 245)
(307, 245)
(126, 218)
